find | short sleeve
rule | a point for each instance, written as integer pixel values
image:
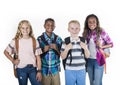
(11, 47)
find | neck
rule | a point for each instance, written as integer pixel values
(75, 37)
(26, 37)
(49, 34)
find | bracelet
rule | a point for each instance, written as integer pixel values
(39, 70)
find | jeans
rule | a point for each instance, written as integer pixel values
(27, 72)
(95, 72)
(75, 77)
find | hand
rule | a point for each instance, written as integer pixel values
(99, 44)
(16, 61)
(39, 76)
(83, 45)
(46, 48)
(68, 47)
(53, 46)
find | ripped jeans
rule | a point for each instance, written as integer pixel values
(28, 72)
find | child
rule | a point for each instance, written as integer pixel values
(96, 38)
(51, 45)
(75, 73)
(28, 64)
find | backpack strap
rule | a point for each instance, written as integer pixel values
(83, 40)
(16, 56)
(67, 41)
(17, 48)
(34, 44)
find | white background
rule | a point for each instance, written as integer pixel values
(36, 11)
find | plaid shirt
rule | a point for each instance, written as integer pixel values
(104, 38)
(50, 61)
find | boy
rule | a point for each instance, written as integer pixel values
(75, 63)
(51, 45)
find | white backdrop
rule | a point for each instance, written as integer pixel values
(36, 11)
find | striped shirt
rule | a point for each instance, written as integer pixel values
(78, 61)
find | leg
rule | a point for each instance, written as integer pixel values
(46, 80)
(56, 79)
(22, 76)
(32, 76)
(81, 77)
(90, 69)
(98, 74)
(70, 77)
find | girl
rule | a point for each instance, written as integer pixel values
(28, 63)
(96, 38)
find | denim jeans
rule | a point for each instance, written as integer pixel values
(27, 72)
(95, 72)
(75, 77)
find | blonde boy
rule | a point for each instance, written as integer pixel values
(75, 63)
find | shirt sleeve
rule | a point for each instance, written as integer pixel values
(106, 38)
(11, 47)
(38, 50)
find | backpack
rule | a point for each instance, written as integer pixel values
(46, 43)
(67, 41)
(16, 54)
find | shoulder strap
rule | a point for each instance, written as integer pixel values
(34, 43)
(17, 48)
(82, 39)
(43, 39)
(55, 38)
(67, 40)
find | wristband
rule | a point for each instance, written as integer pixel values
(39, 70)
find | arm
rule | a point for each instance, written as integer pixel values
(65, 51)
(107, 40)
(14, 61)
(38, 61)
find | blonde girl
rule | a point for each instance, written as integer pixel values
(28, 63)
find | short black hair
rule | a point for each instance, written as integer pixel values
(49, 19)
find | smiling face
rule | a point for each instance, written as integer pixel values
(25, 30)
(49, 26)
(74, 29)
(92, 23)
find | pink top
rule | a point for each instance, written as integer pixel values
(25, 53)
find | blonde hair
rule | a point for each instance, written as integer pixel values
(19, 34)
(73, 21)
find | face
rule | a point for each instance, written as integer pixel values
(49, 26)
(25, 29)
(92, 23)
(74, 29)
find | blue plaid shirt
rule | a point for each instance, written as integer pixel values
(50, 61)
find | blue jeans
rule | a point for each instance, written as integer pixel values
(75, 77)
(95, 72)
(27, 72)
